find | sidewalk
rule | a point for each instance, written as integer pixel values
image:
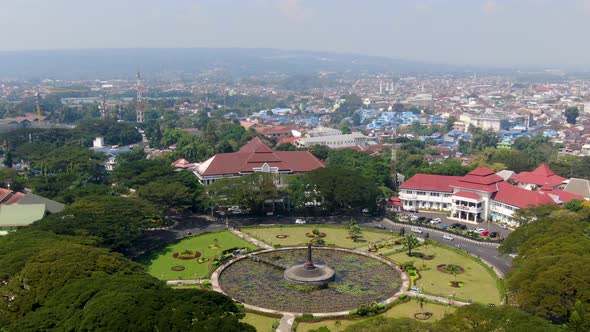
(437, 299)
(250, 239)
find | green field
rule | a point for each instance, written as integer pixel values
(161, 261)
(261, 323)
(479, 284)
(337, 236)
(404, 310)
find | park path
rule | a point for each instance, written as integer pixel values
(250, 239)
(286, 323)
(439, 299)
(187, 281)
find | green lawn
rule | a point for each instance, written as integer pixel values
(261, 323)
(160, 261)
(479, 284)
(337, 236)
(404, 310)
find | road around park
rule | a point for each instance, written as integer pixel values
(197, 224)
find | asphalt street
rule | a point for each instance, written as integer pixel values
(194, 225)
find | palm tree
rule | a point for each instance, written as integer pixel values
(411, 242)
(421, 301)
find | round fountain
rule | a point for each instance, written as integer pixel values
(333, 281)
(310, 273)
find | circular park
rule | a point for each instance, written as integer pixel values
(261, 267)
(288, 280)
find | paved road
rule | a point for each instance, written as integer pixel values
(199, 224)
(492, 227)
(485, 251)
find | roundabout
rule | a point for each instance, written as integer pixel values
(287, 280)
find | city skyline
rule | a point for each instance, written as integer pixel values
(482, 32)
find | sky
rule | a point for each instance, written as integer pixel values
(551, 33)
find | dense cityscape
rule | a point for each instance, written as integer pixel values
(262, 189)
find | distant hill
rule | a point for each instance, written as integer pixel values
(223, 63)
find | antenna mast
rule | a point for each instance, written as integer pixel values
(104, 112)
(139, 104)
(38, 106)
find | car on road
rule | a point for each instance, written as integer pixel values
(300, 221)
(380, 226)
(416, 230)
(448, 237)
(458, 226)
(444, 226)
(436, 221)
(365, 210)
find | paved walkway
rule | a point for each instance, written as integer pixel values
(437, 299)
(250, 239)
(286, 323)
(187, 281)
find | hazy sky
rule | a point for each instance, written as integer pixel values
(490, 32)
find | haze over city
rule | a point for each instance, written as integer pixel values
(466, 32)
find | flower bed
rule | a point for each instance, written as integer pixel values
(315, 235)
(282, 236)
(177, 268)
(423, 315)
(450, 268)
(202, 260)
(187, 255)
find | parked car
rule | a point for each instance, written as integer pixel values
(300, 221)
(448, 237)
(416, 230)
(479, 230)
(484, 233)
(365, 210)
(414, 218)
(436, 221)
(444, 226)
(421, 219)
(380, 226)
(494, 234)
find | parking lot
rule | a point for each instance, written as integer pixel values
(491, 227)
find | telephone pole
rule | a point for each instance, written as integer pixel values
(139, 102)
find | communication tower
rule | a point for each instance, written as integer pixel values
(139, 104)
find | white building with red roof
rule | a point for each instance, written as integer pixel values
(541, 178)
(255, 156)
(482, 194)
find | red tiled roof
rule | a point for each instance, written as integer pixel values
(4, 193)
(394, 201)
(276, 130)
(519, 197)
(15, 198)
(255, 154)
(541, 176)
(480, 179)
(565, 196)
(467, 194)
(430, 182)
(181, 163)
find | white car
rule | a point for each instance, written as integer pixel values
(436, 221)
(414, 218)
(300, 221)
(448, 237)
(416, 230)
(479, 230)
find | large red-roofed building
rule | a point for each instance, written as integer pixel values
(482, 194)
(255, 156)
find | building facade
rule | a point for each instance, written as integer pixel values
(482, 195)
